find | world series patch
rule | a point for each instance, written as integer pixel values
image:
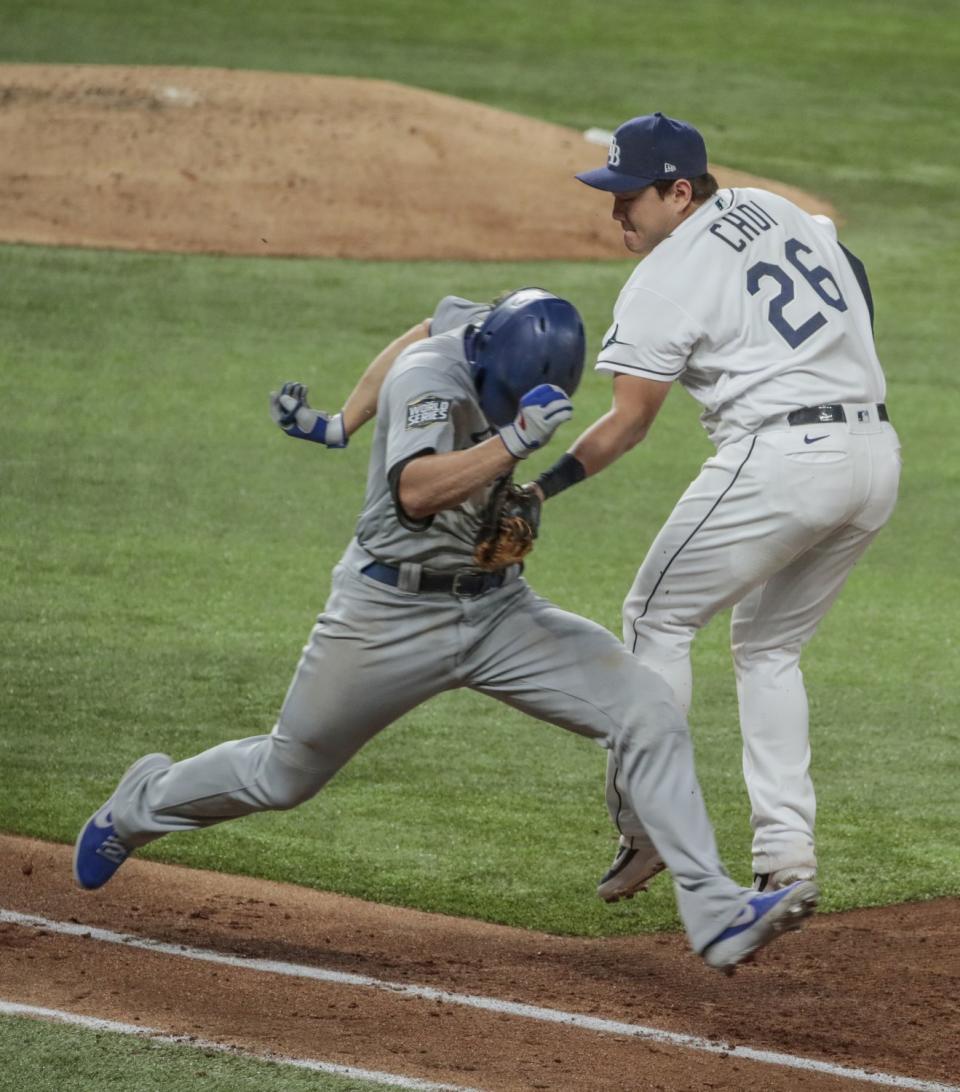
(427, 411)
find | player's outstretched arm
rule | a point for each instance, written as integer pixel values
(450, 312)
(361, 403)
(636, 403)
(291, 411)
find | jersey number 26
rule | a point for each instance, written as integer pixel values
(817, 278)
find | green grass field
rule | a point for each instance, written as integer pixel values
(43, 1057)
(164, 550)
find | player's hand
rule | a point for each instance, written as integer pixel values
(542, 411)
(289, 408)
(534, 488)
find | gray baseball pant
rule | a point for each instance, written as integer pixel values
(377, 652)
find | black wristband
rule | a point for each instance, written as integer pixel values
(565, 472)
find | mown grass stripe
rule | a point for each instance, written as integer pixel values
(96, 1023)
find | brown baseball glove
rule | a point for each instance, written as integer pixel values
(510, 528)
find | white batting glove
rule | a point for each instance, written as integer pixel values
(288, 407)
(542, 411)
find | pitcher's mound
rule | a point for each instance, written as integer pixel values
(222, 161)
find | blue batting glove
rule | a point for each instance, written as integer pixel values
(542, 411)
(289, 408)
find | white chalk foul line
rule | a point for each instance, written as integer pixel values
(490, 1004)
(94, 1023)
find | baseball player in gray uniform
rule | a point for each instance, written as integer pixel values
(410, 616)
(756, 309)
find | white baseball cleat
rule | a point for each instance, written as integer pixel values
(763, 919)
(782, 877)
(631, 871)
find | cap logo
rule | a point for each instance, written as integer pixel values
(613, 156)
(668, 167)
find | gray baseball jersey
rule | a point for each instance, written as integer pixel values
(381, 648)
(427, 405)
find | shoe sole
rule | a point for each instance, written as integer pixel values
(783, 919)
(628, 892)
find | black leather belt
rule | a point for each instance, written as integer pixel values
(464, 583)
(826, 415)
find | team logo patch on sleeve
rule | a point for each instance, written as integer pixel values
(428, 411)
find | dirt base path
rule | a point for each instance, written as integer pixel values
(876, 989)
(263, 163)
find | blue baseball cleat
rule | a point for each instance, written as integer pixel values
(99, 851)
(764, 918)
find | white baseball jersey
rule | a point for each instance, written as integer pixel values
(753, 307)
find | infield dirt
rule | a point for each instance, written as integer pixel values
(878, 989)
(261, 163)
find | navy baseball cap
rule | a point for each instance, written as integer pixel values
(646, 149)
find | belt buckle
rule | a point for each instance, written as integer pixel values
(466, 574)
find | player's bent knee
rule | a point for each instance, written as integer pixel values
(751, 656)
(653, 716)
(289, 776)
(290, 795)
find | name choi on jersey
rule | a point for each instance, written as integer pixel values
(742, 224)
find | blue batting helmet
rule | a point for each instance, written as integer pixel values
(530, 337)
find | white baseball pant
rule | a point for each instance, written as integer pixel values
(773, 525)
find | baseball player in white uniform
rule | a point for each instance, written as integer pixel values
(410, 616)
(755, 308)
